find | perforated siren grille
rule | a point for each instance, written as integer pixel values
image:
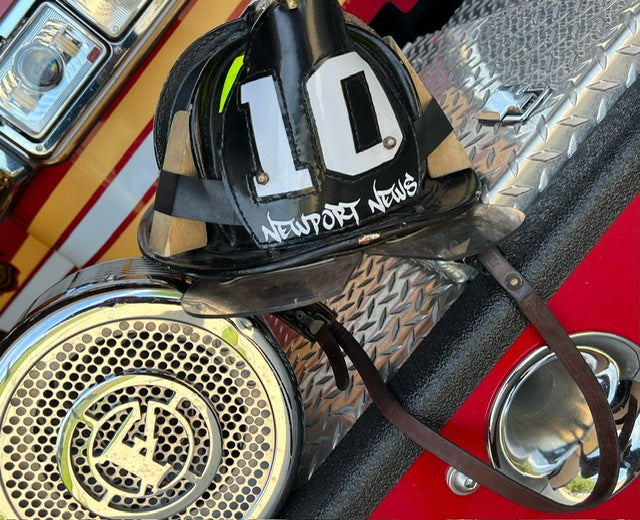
(196, 365)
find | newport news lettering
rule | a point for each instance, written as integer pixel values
(399, 192)
(338, 215)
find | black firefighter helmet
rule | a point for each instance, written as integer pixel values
(311, 137)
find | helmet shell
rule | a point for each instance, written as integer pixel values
(315, 139)
(313, 125)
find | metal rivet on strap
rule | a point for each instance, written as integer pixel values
(514, 281)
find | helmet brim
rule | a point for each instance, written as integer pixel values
(261, 293)
(289, 285)
(463, 236)
(452, 224)
(267, 293)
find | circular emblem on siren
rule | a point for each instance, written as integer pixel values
(139, 446)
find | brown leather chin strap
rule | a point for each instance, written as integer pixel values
(332, 337)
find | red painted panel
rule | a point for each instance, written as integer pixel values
(13, 234)
(602, 294)
(5, 5)
(367, 9)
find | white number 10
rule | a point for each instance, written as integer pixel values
(331, 118)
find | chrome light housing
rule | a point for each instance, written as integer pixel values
(541, 431)
(61, 63)
(44, 68)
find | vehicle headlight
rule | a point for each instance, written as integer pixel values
(45, 65)
(62, 63)
(40, 68)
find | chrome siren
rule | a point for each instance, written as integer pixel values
(541, 431)
(117, 404)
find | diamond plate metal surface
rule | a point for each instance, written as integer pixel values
(588, 52)
(389, 305)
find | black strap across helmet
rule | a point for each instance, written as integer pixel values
(313, 140)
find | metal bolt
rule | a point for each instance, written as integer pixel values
(459, 483)
(514, 281)
(262, 178)
(367, 239)
(245, 324)
(390, 142)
